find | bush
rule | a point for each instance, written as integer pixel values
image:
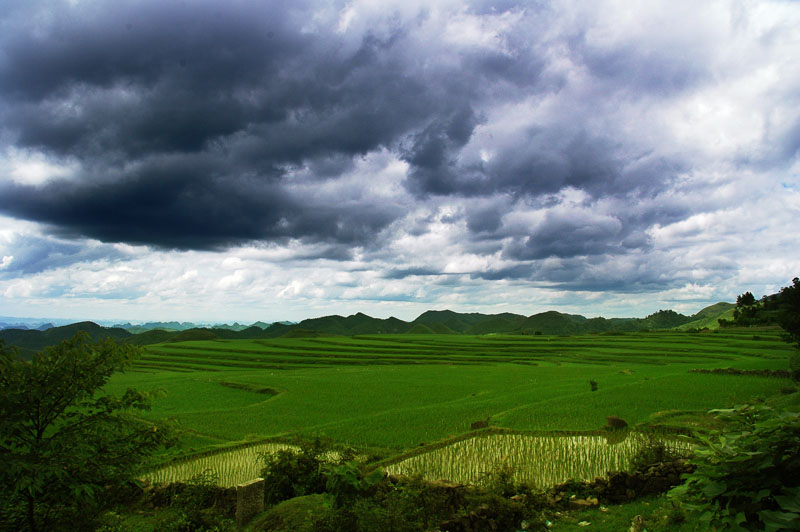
(794, 366)
(593, 385)
(749, 477)
(655, 451)
(345, 482)
(500, 480)
(292, 473)
(196, 507)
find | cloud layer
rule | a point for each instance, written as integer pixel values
(402, 146)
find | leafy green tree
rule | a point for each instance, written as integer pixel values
(63, 442)
(746, 300)
(790, 316)
(789, 320)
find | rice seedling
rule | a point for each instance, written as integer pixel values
(232, 467)
(537, 460)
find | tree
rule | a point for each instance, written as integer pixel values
(63, 442)
(746, 300)
(789, 301)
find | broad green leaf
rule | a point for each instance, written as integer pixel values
(714, 489)
(789, 503)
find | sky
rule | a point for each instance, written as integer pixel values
(239, 161)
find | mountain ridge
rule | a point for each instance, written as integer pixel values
(429, 322)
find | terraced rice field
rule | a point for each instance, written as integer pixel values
(388, 394)
(297, 353)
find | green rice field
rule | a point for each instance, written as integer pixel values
(387, 394)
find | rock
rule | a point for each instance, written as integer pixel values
(578, 504)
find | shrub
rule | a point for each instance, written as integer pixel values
(345, 482)
(593, 385)
(655, 451)
(794, 366)
(747, 478)
(196, 507)
(500, 480)
(291, 473)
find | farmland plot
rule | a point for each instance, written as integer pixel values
(393, 393)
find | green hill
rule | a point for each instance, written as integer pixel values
(454, 321)
(153, 336)
(419, 328)
(708, 317)
(193, 334)
(664, 319)
(31, 340)
(550, 322)
(305, 333)
(440, 328)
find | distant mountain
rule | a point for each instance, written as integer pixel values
(195, 334)
(455, 321)
(185, 326)
(154, 336)
(358, 323)
(150, 325)
(20, 326)
(430, 322)
(25, 327)
(235, 327)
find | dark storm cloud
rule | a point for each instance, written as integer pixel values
(568, 234)
(189, 123)
(432, 155)
(238, 95)
(542, 161)
(186, 204)
(488, 220)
